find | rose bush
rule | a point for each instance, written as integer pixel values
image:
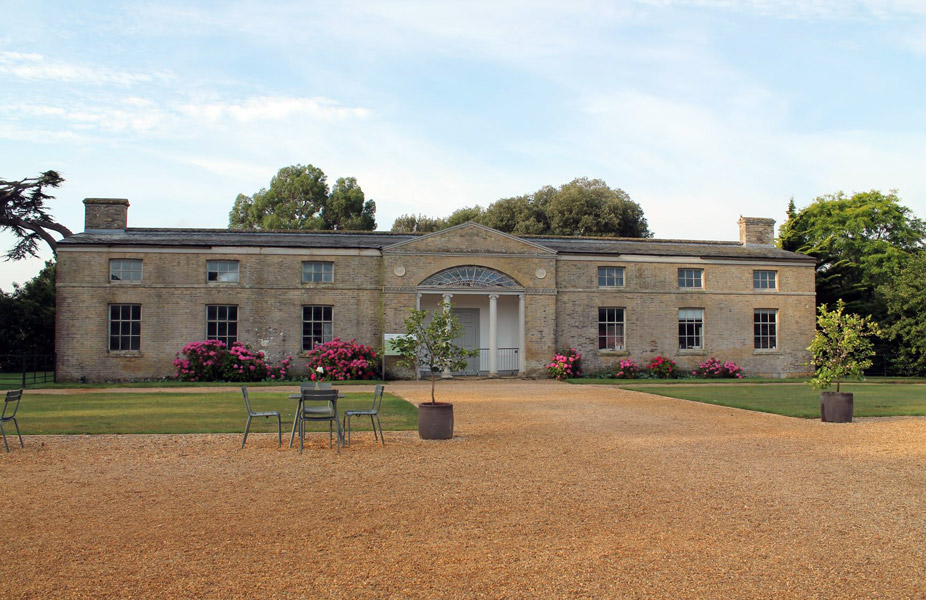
(714, 369)
(627, 369)
(662, 368)
(338, 360)
(213, 360)
(566, 364)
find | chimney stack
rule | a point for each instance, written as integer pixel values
(105, 214)
(755, 231)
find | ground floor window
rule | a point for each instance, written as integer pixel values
(690, 328)
(765, 328)
(316, 326)
(124, 327)
(222, 323)
(610, 328)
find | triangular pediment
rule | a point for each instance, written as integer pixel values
(468, 238)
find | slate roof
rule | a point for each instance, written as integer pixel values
(207, 238)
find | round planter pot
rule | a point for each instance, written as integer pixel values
(836, 407)
(435, 421)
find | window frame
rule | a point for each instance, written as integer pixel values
(758, 280)
(327, 270)
(314, 338)
(218, 322)
(610, 272)
(771, 329)
(132, 339)
(620, 328)
(696, 331)
(122, 271)
(213, 266)
(683, 278)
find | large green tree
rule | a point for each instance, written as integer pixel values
(905, 298)
(299, 198)
(23, 212)
(582, 207)
(861, 242)
(27, 315)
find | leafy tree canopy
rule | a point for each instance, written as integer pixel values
(27, 315)
(299, 198)
(905, 297)
(582, 207)
(859, 241)
(23, 211)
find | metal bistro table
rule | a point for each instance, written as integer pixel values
(300, 408)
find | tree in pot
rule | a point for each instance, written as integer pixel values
(840, 349)
(432, 344)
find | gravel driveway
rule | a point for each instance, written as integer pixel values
(548, 491)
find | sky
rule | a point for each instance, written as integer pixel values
(700, 110)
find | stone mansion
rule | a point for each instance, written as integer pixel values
(129, 299)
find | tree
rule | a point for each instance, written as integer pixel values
(27, 315)
(582, 207)
(23, 211)
(417, 224)
(841, 347)
(299, 198)
(433, 343)
(905, 298)
(860, 242)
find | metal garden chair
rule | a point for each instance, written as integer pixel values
(252, 414)
(319, 405)
(373, 412)
(12, 397)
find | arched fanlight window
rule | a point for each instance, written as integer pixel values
(469, 276)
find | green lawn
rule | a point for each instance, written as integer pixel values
(797, 400)
(170, 412)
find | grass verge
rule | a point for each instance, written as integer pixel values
(871, 399)
(178, 412)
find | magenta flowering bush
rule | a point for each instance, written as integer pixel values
(338, 360)
(213, 360)
(714, 369)
(662, 368)
(627, 369)
(566, 364)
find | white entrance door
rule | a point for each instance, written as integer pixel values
(469, 319)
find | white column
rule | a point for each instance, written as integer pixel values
(446, 306)
(493, 335)
(522, 345)
(418, 302)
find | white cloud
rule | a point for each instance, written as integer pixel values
(272, 108)
(37, 67)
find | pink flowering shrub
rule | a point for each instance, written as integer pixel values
(338, 360)
(212, 360)
(662, 368)
(566, 364)
(714, 369)
(627, 369)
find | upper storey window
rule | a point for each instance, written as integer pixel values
(222, 270)
(317, 272)
(125, 269)
(765, 280)
(691, 278)
(610, 276)
(469, 276)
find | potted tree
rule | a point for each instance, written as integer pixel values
(432, 345)
(840, 349)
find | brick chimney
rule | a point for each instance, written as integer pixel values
(105, 214)
(755, 231)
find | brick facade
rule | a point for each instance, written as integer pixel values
(378, 277)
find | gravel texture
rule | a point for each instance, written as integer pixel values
(547, 490)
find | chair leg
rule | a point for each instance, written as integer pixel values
(15, 422)
(340, 434)
(373, 425)
(280, 430)
(4, 437)
(382, 440)
(246, 429)
(301, 433)
(295, 421)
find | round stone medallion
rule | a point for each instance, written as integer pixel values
(399, 271)
(541, 273)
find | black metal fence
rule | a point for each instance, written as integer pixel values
(23, 370)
